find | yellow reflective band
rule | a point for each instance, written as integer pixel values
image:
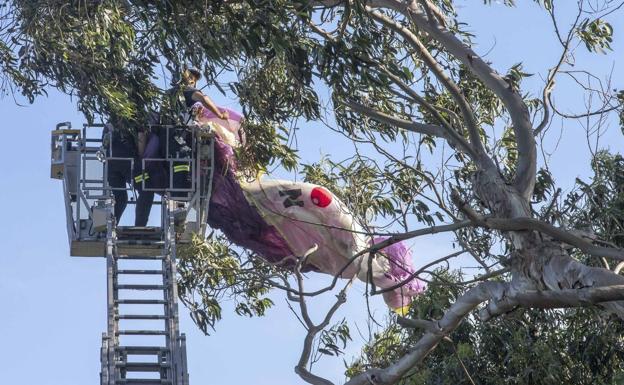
(181, 167)
(402, 311)
(141, 178)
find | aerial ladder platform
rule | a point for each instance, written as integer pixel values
(142, 343)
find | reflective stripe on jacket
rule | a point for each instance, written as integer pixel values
(182, 167)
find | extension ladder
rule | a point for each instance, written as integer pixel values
(143, 344)
(157, 355)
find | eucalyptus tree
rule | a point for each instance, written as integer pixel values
(527, 346)
(398, 77)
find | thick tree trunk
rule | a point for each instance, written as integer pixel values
(538, 262)
(542, 269)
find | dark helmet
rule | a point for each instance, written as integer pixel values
(196, 72)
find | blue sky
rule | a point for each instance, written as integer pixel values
(53, 306)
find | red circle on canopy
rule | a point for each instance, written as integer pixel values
(320, 197)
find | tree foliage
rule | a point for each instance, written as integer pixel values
(211, 273)
(561, 346)
(442, 141)
(569, 346)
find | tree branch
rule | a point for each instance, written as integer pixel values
(518, 111)
(416, 273)
(550, 82)
(454, 138)
(313, 329)
(518, 224)
(550, 299)
(451, 319)
(426, 325)
(496, 293)
(527, 223)
(421, 50)
(421, 128)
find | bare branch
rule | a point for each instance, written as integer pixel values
(313, 330)
(302, 303)
(434, 66)
(518, 111)
(606, 108)
(426, 325)
(551, 299)
(451, 319)
(486, 276)
(526, 223)
(421, 128)
(550, 82)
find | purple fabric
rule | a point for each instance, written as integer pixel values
(243, 223)
(155, 169)
(231, 213)
(152, 146)
(399, 257)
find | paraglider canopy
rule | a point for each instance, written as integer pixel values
(282, 220)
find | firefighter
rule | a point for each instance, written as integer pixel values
(124, 143)
(180, 99)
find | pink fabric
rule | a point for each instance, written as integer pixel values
(282, 220)
(227, 129)
(398, 269)
(231, 213)
(304, 222)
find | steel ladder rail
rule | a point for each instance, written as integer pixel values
(171, 360)
(168, 360)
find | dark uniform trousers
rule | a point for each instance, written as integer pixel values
(120, 174)
(146, 198)
(180, 142)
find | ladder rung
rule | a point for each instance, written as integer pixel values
(129, 271)
(140, 287)
(133, 230)
(141, 302)
(142, 332)
(142, 350)
(143, 381)
(139, 242)
(141, 316)
(152, 257)
(142, 366)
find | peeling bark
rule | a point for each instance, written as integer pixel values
(544, 274)
(451, 319)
